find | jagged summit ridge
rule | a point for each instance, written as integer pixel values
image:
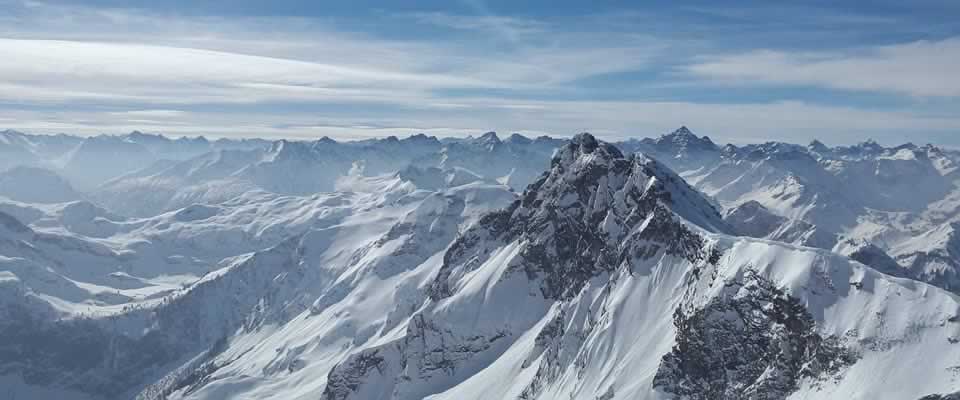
(685, 139)
(588, 157)
(591, 212)
(594, 169)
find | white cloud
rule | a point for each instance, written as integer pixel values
(510, 28)
(921, 68)
(220, 77)
(134, 68)
(52, 54)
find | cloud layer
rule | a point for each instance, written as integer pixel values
(920, 68)
(91, 70)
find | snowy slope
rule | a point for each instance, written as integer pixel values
(899, 201)
(109, 287)
(519, 313)
(304, 167)
(142, 174)
(608, 278)
(411, 268)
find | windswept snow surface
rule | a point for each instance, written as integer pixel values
(476, 268)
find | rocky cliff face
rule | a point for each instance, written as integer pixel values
(752, 342)
(591, 213)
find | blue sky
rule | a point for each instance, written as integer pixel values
(743, 72)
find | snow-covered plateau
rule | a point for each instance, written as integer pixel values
(143, 267)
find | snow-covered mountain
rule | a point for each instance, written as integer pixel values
(900, 201)
(140, 174)
(422, 268)
(682, 147)
(608, 277)
(88, 162)
(303, 167)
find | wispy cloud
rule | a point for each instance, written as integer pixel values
(46, 70)
(511, 29)
(91, 69)
(133, 55)
(920, 68)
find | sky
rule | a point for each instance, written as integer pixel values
(746, 71)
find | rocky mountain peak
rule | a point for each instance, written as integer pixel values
(326, 140)
(289, 150)
(517, 138)
(584, 144)
(684, 140)
(683, 131)
(589, 213)
(489, 136)
(488, 139)
(422, 138)
(596, 169)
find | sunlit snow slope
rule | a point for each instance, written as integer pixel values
(608, 277)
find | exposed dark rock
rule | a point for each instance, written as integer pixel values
(753, 342)
(951, 396)
(343, 380)
(580, 219)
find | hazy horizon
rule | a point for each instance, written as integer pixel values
(478, 133)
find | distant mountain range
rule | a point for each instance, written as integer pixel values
(139, 266)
